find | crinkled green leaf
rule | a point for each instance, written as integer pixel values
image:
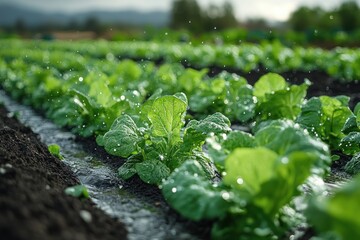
(167, 117)
(215, 123)
(201, 102)
(127, 170)
(197, 131)
(353, 166)
(351, 143)
(244, 104)
(285, 103)
(220, 147)
(123, 137)
(152, 171)
(238, 139)
(191, 193)
(285, 137)
(311, 116)
(240, 102)
(325, 117)
(350, 125)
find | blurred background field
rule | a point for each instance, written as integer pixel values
(324, 24)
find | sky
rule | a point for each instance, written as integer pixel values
(273, 10)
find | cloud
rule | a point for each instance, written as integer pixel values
(270, 9)
(82, 5)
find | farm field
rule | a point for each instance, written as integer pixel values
(227, 142)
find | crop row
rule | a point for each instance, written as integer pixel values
(259, 185)
(341, 63)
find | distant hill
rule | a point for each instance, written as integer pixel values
(9, 14)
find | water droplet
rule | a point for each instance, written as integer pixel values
(285, 160)
(173, 190)
(81, 79)
(240, 181)
(225, 195)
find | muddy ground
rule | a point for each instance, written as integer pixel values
(33, 204)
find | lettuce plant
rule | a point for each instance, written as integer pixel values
(261, 176)
(162, 143)
(325, 117)
(276, 99)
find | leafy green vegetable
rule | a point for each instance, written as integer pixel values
(268, 84)
(353, 166)
(325, 118)
(162, 144)
(351, 143)
(266, 176)
(123, 137)
(128, 169)
(220, 146)
(276, 100)
(285, 103)
(78, 191)
(285, 137)
(239, 98)
(152, 171)
(167, 118)
(191, 193)
(249, 168)
(350, 125)
(54, 149)
(191, 79)
(338, 213)
(262, 176)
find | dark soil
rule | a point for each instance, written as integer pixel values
(33, 204)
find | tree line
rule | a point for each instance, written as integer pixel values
(188, 14)
(346, 18)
